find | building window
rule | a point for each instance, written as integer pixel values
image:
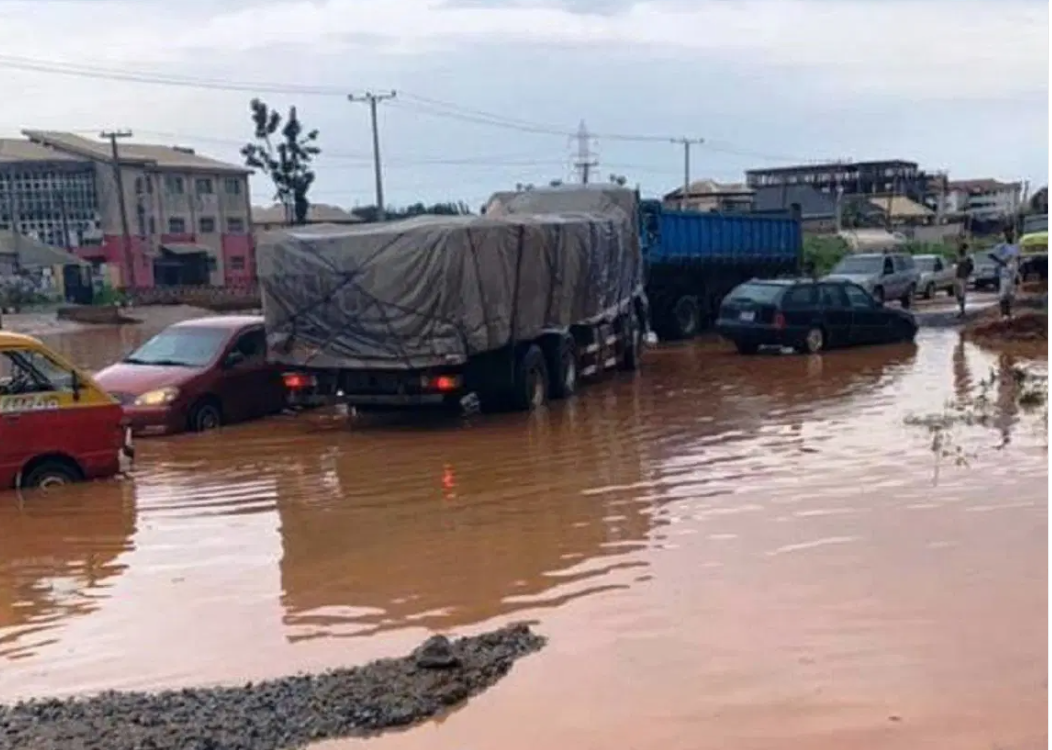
(176, 225)
(138, 186)
(174, 185)
(232, 186)
(203, 186)
(206, 225)
(235, 226)
(153, 226)
(237, 263)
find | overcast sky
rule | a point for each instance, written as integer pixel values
(960, 85)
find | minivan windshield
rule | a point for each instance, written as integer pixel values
(180, 347)
(761, 294)
(860, 264)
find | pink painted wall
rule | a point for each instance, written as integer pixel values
(112, 252)
(239, 246)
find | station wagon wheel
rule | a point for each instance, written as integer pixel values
(814, 341)
(205, 416)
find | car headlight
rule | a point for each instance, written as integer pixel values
(160, 397)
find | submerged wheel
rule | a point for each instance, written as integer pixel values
(50, 474)
(814, 341)
(906, 300)
(632, 357)
(929, 291)
(562, 369)
(746, 347)
(204, 417)
(878, 294)
(686, 317)
(530, 390)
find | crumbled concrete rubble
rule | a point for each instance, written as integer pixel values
(277, 714)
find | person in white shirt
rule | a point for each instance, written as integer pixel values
(1006, 255)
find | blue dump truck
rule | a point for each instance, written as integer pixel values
(694, 259)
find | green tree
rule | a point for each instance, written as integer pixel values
(283, 151)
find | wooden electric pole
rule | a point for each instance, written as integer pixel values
(113, 136)
(372, 98)
(686, 143)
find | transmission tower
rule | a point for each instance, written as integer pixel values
(585, 160)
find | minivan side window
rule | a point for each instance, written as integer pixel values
(27, 371)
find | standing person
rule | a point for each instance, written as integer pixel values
(962, 272)
(1006, 255)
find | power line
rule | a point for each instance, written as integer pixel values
(421, 104)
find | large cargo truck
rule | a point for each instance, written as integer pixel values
(501, 311)
(694, 259)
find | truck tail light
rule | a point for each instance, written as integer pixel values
(298, 381)
(442, 383)
(779, 320)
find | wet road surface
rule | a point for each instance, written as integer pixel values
(724, 552)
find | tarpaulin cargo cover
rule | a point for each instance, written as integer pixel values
(435, 290)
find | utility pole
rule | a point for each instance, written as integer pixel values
(585, 160)
(372, 98)
(686, 143)
(113, 136)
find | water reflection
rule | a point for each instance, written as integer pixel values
(58, 558)
(461, 523)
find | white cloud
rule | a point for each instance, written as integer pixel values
(948, 48)
(931, 80)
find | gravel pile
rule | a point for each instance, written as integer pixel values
(277, 714)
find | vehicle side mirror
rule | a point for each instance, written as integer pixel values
(233, 359)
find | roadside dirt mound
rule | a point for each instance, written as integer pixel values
(1024, 327)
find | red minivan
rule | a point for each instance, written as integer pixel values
(196, 376)
(56, 424)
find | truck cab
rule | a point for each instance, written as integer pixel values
(56, 424)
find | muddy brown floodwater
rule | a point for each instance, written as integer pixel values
(723, 552)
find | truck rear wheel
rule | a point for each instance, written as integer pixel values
(686, 317)
(632, 356)
(530, 390)
(562, 368)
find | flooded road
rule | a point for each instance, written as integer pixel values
(724, 552)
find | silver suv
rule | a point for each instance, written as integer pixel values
(884, 275)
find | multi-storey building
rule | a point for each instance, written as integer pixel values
(48, 195)
(896, 177)
(189, 217)
(982, 200)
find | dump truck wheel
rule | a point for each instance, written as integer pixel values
(633, 353)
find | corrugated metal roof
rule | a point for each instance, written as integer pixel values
(145, 154)
(13, 150)
(32, 253)
(901, 207)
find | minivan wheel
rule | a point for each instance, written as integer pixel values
(204, 417)
(929, 291)
(814, 341)
(907, 299)
(51, 474)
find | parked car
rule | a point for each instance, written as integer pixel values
(809, 316)
(196, 376)
(57, 424)
(936, 275)
(885, 276)
(985, 273)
